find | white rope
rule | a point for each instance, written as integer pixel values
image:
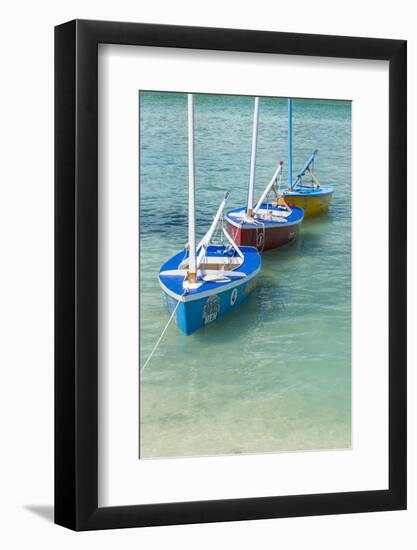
(262, 224)
(169, 320)
(263, 237)
(161, 336)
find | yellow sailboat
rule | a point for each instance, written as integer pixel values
(305, 191)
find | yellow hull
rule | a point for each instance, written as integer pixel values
(312, 206)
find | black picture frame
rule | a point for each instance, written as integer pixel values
(76, 272)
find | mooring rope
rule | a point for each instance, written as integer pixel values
(161, 336)
(168, 323)
(262, 224)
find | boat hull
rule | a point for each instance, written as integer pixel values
(264, 235)
(192, 315)
(272, 237)
(313, 203)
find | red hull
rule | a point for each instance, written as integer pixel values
(263, 239)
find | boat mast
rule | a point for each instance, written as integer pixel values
(289, 143)
(192, 264)
(253, 158)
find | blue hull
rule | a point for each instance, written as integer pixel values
(193, 315)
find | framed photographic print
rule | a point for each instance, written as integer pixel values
(230, 338)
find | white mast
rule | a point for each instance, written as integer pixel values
(192, 269)
(253, 158)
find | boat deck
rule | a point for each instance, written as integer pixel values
(173, 284)
(271, 216)
(301, 191)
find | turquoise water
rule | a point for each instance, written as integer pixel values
(275, 374)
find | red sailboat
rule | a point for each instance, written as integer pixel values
(264, 224)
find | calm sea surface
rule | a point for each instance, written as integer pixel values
(275, 374)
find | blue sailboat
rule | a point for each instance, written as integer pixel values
(206, 281)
